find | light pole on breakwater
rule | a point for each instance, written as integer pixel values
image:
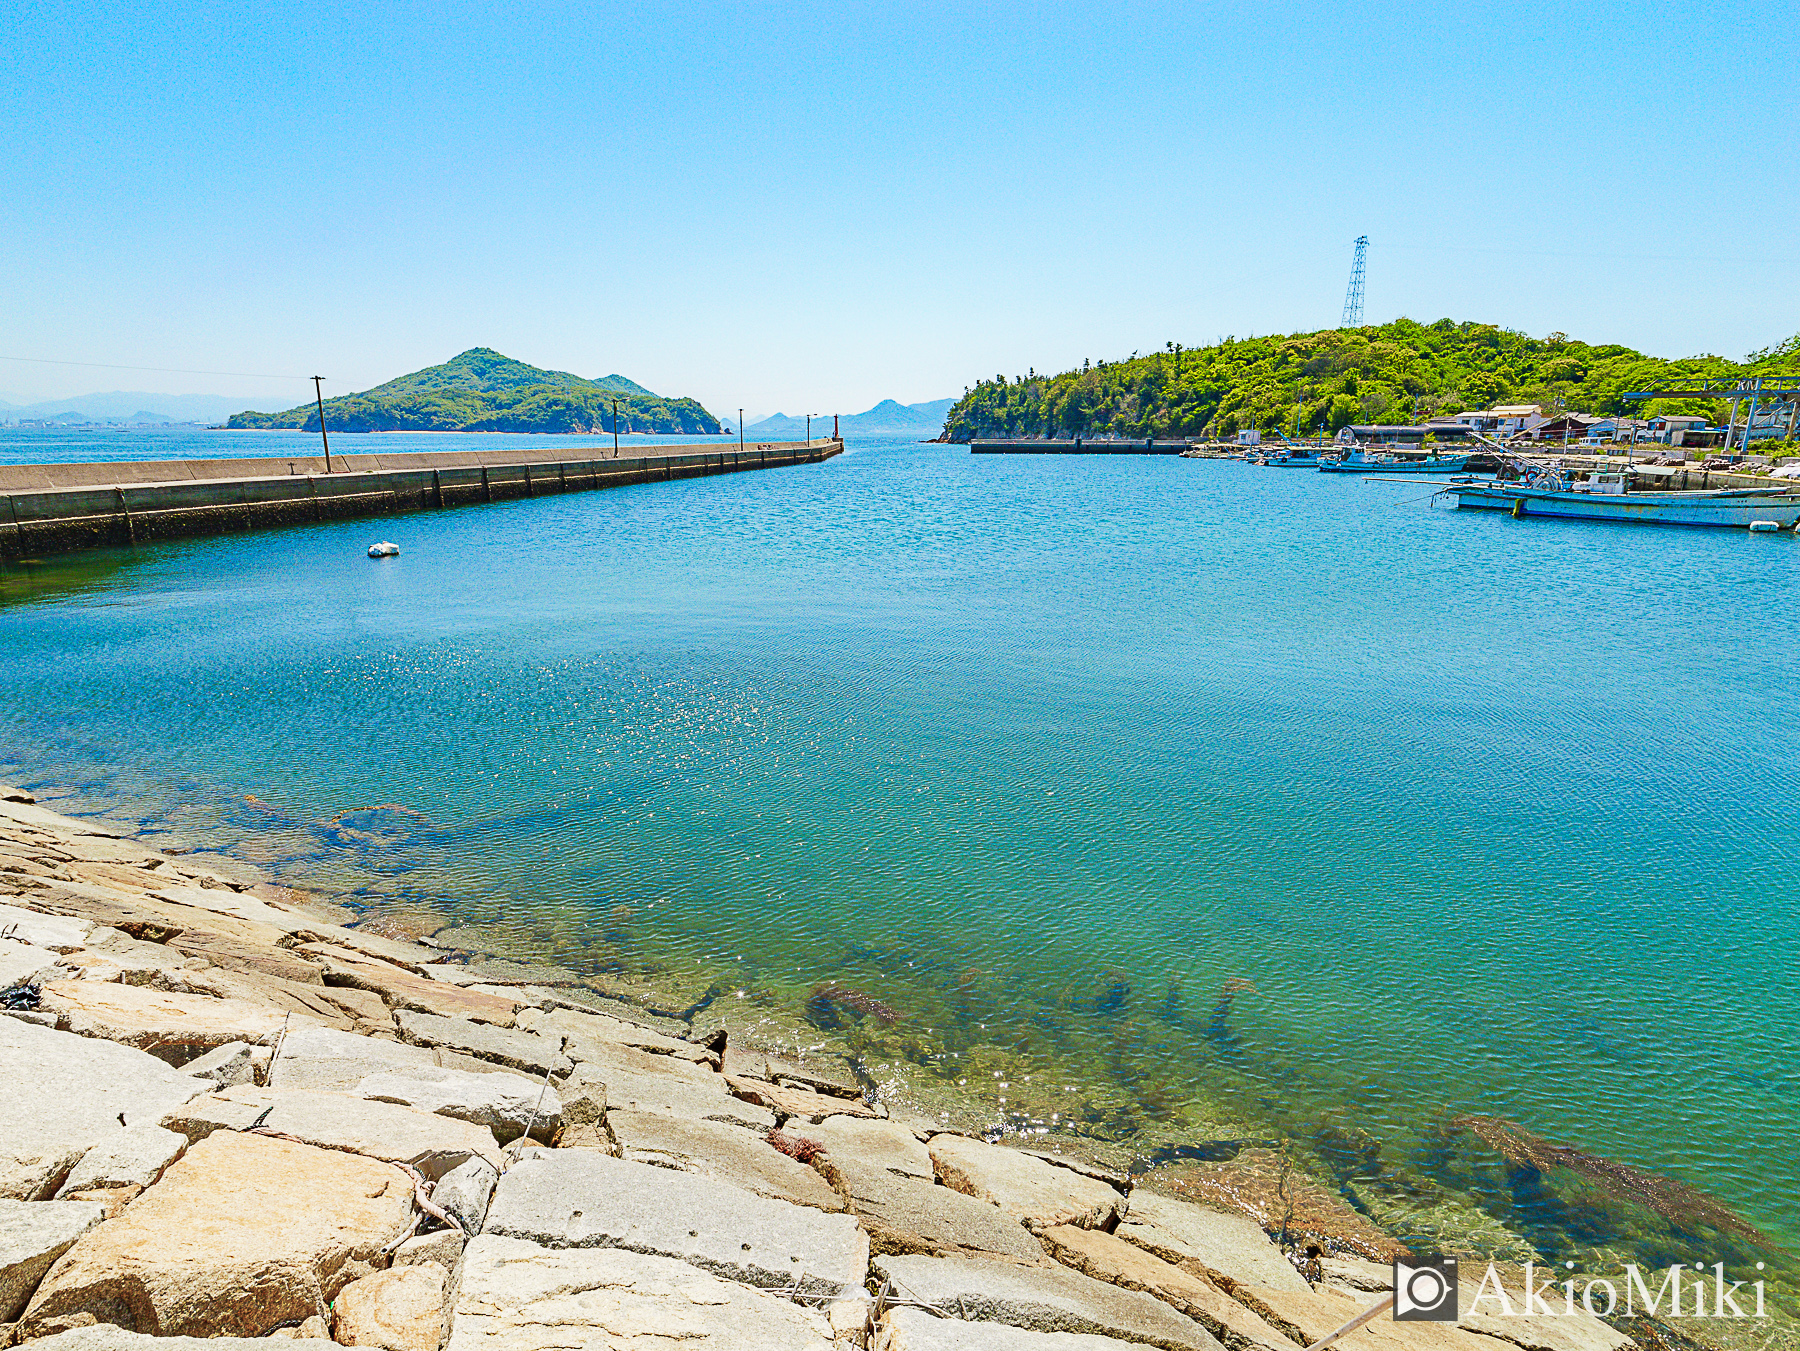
(615, 429)
(740, 430)
(319, 394)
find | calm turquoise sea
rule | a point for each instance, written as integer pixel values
(1497, 817)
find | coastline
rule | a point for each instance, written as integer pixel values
(828, 1051)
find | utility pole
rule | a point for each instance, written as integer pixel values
(318, 393)
(615, 429)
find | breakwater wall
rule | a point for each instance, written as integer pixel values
(1079, 446)
(58, 508)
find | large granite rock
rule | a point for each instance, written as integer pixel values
(516, 1296)
(584, 1100)
(380, 1130)
(1042, 1299)
(332, 1061)
(583, 1031)
(135, 1157)
(21, 963)
(80, 1087)
(580, 1198)
(906, 1214)
(199, 1118)
(54, 933)
(504, 1103)
(873, 1144)
(172, 1027)
(107, 1337)
(403, 990)
(527, 1051)
(464, 1192)
(1037, 1193)
(683, 1091)
(723, 1152)
(1113, 1260)
(445, 1248)
(791, 1100)
(33, 1234)
(236, 1062)
(242, 1234)
(400, 1309)
(916, 1330)
(336, 1006)
(1227, 1247)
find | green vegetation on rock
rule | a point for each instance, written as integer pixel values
(483, 391)
(1382, 374)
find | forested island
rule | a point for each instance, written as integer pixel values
(1382, 374)
(483, 391)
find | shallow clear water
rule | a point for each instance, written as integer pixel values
(1497, 816)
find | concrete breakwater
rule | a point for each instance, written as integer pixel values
(1079, 446)
(250, 1117)
(54, 508)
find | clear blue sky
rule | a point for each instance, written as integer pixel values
(810, 207)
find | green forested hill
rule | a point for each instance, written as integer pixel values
(483, 391)
(1386, 374)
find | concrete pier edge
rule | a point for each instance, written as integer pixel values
(62, 508)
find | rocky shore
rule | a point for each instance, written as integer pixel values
(233, 1114)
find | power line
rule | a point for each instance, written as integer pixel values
(161, 370)
(1562, 253)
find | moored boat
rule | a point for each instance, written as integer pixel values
(1608, 498)
(1361, 462)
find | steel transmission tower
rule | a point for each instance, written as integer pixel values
(1354, 296)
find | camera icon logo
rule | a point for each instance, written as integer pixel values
(1425, 1290)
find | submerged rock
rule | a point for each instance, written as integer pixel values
(1255, 1184)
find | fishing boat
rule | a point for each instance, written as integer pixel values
(1295, 457)
(1361, 462)
(1551, 491)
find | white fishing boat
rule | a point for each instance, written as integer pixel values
(1610, 497)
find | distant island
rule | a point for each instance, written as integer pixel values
(482, 391)
(121, 407)
(886, 416)
(1380, 375)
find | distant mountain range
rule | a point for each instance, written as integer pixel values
(887, 416)
(482, 391)
(126, 406)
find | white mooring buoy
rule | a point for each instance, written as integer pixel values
(385, 549)
(1764, 527)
